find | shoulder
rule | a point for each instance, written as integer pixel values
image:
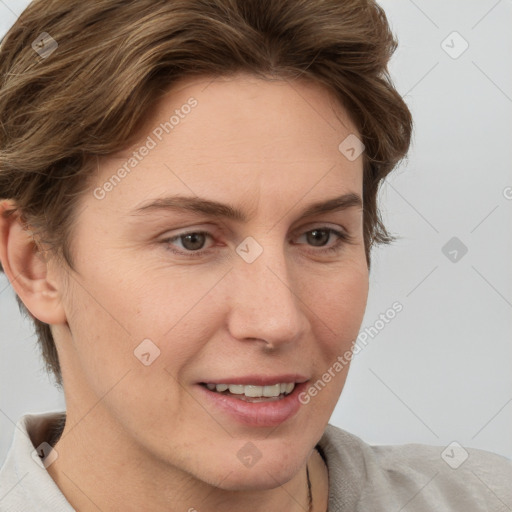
(415, 477)
(25, 484)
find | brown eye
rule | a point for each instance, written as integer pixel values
(193, 241)
(190, 244)
(318, 237)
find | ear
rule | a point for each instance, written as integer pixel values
(27, 268)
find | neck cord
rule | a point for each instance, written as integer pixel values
(310, 496)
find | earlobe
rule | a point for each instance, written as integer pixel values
(27, 268)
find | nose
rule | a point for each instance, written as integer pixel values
(264, 301)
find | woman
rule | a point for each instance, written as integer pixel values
(189, 202)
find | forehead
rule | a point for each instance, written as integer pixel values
(239, 134)
(205, 111)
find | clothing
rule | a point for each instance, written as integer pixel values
(362, 478)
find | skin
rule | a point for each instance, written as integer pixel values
(143, 436)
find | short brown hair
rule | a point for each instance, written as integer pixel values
(115, 57)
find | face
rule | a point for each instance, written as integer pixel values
(172, 295)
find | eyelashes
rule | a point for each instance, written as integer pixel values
(341, 239)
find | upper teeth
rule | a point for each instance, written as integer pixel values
(254, 391)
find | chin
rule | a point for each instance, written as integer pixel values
(259, 477)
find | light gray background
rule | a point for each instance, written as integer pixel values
(440, 371)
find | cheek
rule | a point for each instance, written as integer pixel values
(349, 300)
(340, 309)
(100, 337)
(338, 305)
(341, 297)
(112, 328)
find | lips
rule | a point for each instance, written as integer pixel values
(259, 380)
(253, 400)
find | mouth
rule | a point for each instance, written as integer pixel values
(252, 392)
(254, 400)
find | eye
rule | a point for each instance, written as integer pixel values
(318, 237)
(192, 243)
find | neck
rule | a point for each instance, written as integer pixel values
(319, 482)
(99, 468)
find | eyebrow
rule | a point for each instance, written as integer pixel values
(217, 209)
